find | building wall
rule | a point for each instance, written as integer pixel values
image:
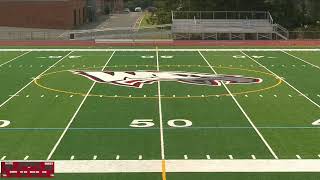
(56, 14)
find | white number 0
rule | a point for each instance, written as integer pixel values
(4, 123)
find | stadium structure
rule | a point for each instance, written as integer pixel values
(226, 25)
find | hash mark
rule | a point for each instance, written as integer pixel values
(144, 95)
(57, 96)
(72, 157)
(118, 157)
(71, 96)
(318, 95)
(230, 156)
(174, 95)
(130, 95)
(95, 157)
(185, 156)
(253, 157)
(208, 156)
(140, 157)
(27, 95)
(290, 95)
(101, 96)
(42, 96)
(318, 155)
(275, 95)
(25, 158)
(260, 95)
(202, 95)
(115, 95)
(3, 158)
(188, 95)
(246, 95)
(298, 156)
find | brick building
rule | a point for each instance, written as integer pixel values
(55, 14)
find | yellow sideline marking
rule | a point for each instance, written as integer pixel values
(36, 81)
(164, 174)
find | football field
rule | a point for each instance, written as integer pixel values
(55, 105)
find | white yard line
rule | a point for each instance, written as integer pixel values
(160, 111)
(14, 95)
(15, 58)
(161, 50)
(301, 59)
(282, 80)
(75, 114)
(242, 110)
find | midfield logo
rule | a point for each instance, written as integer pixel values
(137, 79)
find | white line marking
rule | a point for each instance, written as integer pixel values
(319, 155)
(75, 114)
(184, 166)
(318, 95)
(301, 59)
(185, 156)
(16, 95)
(160, 110)
(260, 95)
(117, 157)
(26, 157)
(95, 157)
(27, 95)
(246, 95)
(72, 157)
(275, 95)
(71, 96)
(290, 95)
(3, 158)
(230, 156)
(14, 58)
(140, 157)
(42, 96)
(298, 156)
(208, 156)
(253, 157)
(282, 80)
(5, 102)
(242, 110)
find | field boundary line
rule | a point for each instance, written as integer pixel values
(162, 50)
(301, 59)
(163, 162)
(15, 58)
(190, 165)
(14, 95)
(242, 110)
(75, 114)
(189, 128)
(281, 79)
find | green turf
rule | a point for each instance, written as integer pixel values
(101, 127)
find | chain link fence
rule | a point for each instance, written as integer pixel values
(160, 32)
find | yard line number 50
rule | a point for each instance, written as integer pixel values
(146, 123)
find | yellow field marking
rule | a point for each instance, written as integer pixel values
(164, 173)
(279, 81)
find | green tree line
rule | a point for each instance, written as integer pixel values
(293, 14)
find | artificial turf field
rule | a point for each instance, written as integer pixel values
(49, 113)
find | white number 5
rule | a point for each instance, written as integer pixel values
(142, 123)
